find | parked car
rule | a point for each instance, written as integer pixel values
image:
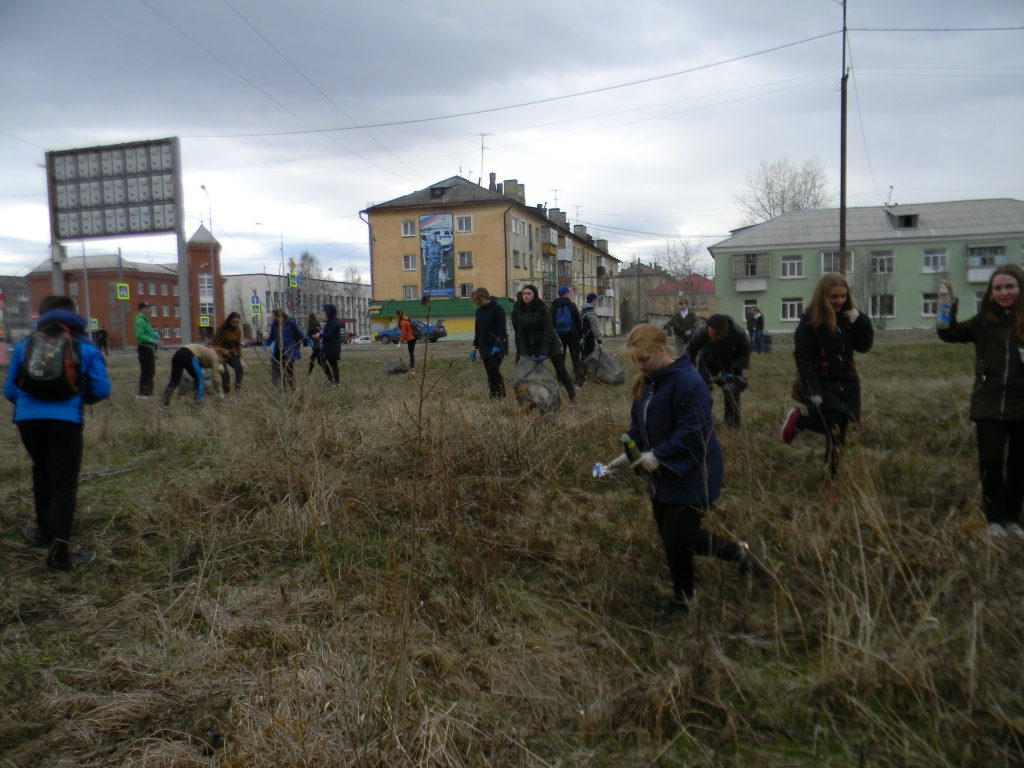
(430, 333)
(362, 340)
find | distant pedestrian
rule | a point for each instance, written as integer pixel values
(330, 343)
(591, 325)
(757, 337)
(407, 336)
(192, 358)
(997, 398)
(830, 331)
(569, 329)
(538, 338)
(285, 341)
(514, 320)
(672, 428)
(52, 433)
(313, 329)
(146, 341)
(100, 338)
(682, 324)
(490, 339)
(229, 338)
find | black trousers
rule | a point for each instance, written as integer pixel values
(317, 358)
(147, 370)
(495, 383)
(572, 345)
(1001, 444)
(563, 375)
(183, 360)
(831, 424)
(683, 537)
(412, 352)
(331, 369)
(235, 363)
(276, 365)
(56, 451)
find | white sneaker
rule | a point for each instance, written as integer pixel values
(1016, 530)
(996, 531)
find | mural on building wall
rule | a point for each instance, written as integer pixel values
(437, 252)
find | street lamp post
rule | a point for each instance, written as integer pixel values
(213, 265)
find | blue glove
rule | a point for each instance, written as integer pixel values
(542, 358)
(472, 355)
(309, 342)
(496, 351)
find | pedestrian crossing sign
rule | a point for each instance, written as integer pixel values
(204, 321)
(122, 292)
(256, 308)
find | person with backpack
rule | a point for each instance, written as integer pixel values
(720, 351)
(569, 328)
(490, 339)
(536, 330)
(146, 341)
(330, 344)
(591, 326)
(53, 375)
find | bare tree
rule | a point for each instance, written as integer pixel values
(778, 186)
(683, 257)
(352, 274)
(310, 267)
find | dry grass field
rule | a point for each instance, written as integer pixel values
(400, 572)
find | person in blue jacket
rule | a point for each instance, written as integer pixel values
(330, 343)
(52, 433)
(671, 425)
(490, 339)
(285, 341)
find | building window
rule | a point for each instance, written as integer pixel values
(175, 291)
(177, 312)
(515, 258)
(205, 294)
(152, 289)
(908, 221)
(830, 262)
(465, 290)
(409, 262)
(72, 289)
(166, 331)
(986, 255)
(163, 289)
(515, 226)
(935, 260)
(410, 292)
(929, 304)
(177, 332)
(465, 259)
(748, 304)
(750, 265)
(141, 289)
(151, 310)
(408, 229)
(883, 305)
(881, 263)
(792, 266)
(792, 309)
(166, 311)
(463, 223)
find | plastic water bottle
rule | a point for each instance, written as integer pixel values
(945, 315)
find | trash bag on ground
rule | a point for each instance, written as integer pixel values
(603, 368)
(535, 386)
(395, 365)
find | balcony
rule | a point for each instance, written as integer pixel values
(548, 278)
(747, 284)
(979, 274)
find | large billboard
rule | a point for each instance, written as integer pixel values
(123, 189)
(436, 251)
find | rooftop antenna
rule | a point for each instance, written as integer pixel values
(889, 201)
(480, 178)
(556, 198)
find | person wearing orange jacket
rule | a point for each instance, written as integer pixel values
(407, 337)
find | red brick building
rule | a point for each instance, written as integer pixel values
(155, 284)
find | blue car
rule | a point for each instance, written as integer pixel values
(430, 333)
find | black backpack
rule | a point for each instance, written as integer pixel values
(417, 332)
(52, 368)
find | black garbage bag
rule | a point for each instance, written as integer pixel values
(535, 386)
(395, 365)
(603, 368)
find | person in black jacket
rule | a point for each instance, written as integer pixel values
(569, 331)
(720, 351)
(490, 339)
(330, 343)
(825, 340)
(313, 329)
(997, 399)
(537, 338)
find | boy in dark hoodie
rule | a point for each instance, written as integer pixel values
(330, 343)
(569, 330)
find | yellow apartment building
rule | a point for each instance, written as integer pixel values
(443, 241)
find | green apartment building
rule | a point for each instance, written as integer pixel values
(895, 257)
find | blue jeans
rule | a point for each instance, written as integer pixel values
(757, 339)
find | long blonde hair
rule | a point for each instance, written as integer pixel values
(821, 308)
(650, 340)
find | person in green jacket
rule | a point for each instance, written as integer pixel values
(146, 340)
(997, 398)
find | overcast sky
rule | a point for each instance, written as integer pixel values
(639, 119)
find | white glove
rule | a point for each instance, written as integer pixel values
(815, 400)
(244, 366)
(946, 287)
(220, 395)
(621, 462)
(852, 315)
(647, 461)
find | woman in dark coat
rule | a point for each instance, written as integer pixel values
(490, 339)
(828, 335)
(997, 400)
(330, 342)
(313, 331)
(285, 341)
(537, 338)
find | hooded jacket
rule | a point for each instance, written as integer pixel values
(730, 354)
(145, 333)
(330, 335)
(490, 329)
(824, 361)
(96, 384)
(294, 338)
(672, 418)
(536, 329)
(998, 393)
(577, 326)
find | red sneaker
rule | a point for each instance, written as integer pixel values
(789, 428)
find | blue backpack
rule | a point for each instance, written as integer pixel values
(563, 320)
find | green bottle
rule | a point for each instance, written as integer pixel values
(632, 452)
